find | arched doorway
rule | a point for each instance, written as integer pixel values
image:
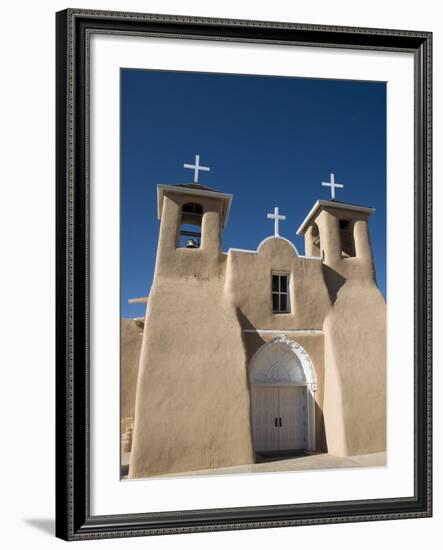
(283, 407)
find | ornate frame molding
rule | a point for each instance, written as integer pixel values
(73, 31)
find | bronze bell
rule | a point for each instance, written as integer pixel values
(191, 244)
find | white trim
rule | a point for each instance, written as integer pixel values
(297, 350)
(278, 384)
(241, 250)
(319, 258)
(264, 241)
(312, 258)
(304, 331)
(281, 272)
(227, 197)
(276, 237)
(143, 300)
(301, 353)
(333, 204)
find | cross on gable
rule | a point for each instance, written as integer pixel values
(332, 185)
(196, 167)
(276, 217)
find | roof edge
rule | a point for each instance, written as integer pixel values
(334, 204)
(227, 197)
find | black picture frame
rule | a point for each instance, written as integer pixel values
(73, 518)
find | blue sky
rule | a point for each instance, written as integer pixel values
(270, 141)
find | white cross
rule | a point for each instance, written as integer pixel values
(196, 167)
(332, 185)
(276, 217)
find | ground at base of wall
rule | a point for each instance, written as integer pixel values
(312, 461)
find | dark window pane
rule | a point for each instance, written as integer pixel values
(283, 283)
(275, 302)
(283, 302)
(275, 283)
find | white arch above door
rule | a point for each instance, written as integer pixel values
(282, 361)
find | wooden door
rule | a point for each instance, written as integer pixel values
(265, 418)
(292, 433)
(279, 416)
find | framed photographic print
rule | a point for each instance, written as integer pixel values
(243, 274)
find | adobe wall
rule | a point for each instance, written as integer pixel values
(131, 342)
(131, 334)
(355, 345)
(355, 382)
(248, 280)
(193, 406)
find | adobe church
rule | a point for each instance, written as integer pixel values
(248, 352)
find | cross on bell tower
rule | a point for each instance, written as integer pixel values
(332, 185)
(196, 167)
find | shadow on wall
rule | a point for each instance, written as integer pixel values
(334, 281)
(256, 341)
(320, 435)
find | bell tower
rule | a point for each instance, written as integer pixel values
(189, 375)
(339, 234)
(354, 327)
(192, 217)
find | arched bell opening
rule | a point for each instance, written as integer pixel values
(189, 234)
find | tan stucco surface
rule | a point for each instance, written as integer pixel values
(194, 375)
(209, 312)
(355, 345)
(131, 342)
(248, 284)
(355, 385)
(131, 333)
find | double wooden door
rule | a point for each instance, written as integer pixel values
(279, 417)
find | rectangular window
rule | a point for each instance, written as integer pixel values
(281, 302)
